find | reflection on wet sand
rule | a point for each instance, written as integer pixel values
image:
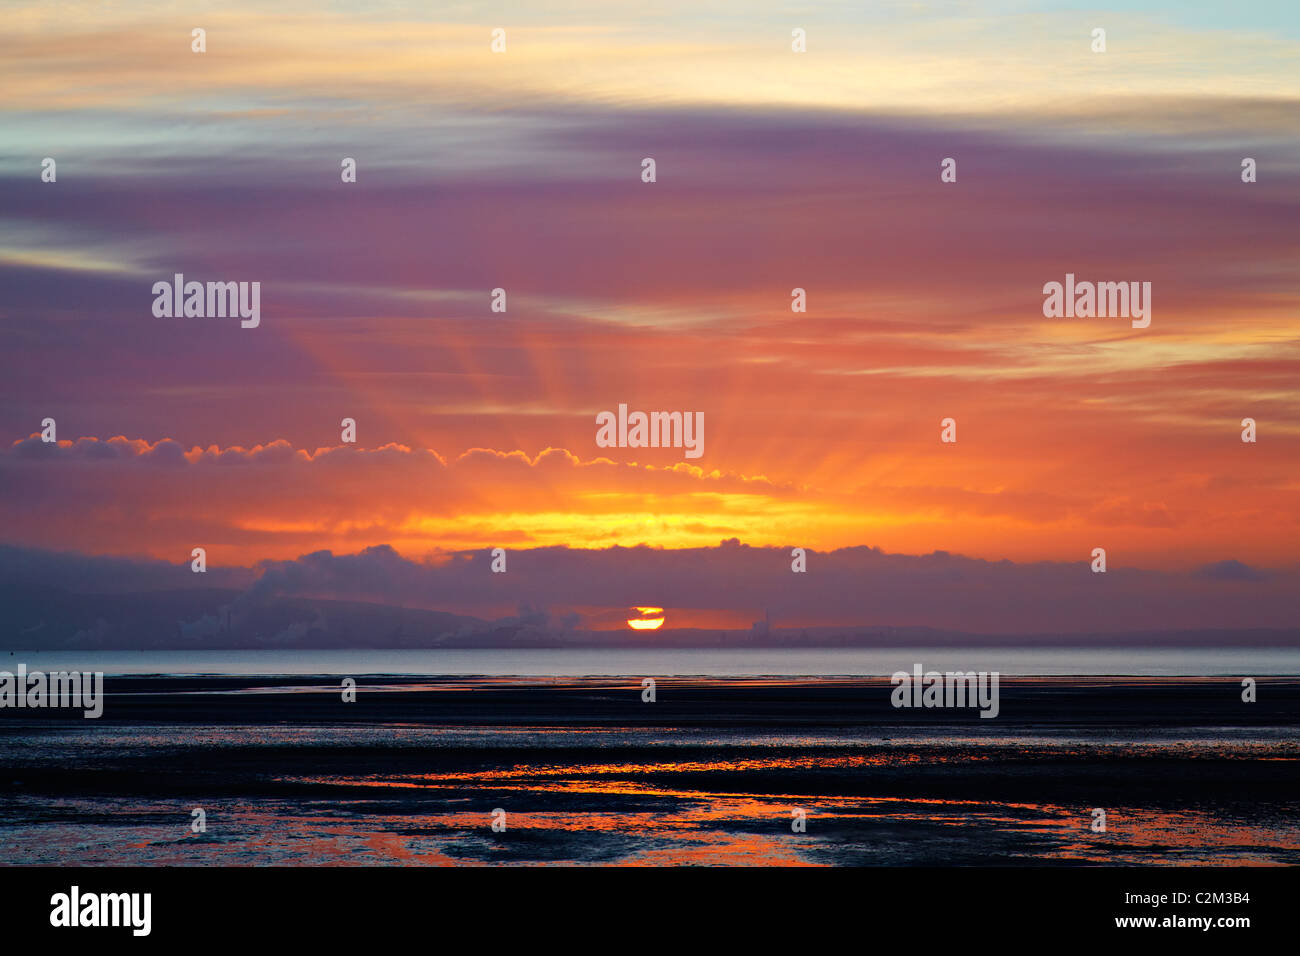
(415, 780)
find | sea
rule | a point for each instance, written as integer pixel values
(638, 757)
(714, 662)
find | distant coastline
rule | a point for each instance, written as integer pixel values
(641, 661)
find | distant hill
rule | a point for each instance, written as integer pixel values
(212, 618)
(222, 619)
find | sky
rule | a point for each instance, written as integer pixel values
(775, 170)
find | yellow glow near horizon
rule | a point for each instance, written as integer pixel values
(647, 621)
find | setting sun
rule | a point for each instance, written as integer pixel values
(650, 619)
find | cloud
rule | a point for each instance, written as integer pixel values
(1231, 570)
(906, 56)
(728, 586)
(776, 170)
(131, 496)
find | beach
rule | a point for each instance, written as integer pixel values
(712, 772)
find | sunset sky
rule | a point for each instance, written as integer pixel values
(775, 170)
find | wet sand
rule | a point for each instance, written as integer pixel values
(710, 773)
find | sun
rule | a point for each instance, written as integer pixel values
(647, 619)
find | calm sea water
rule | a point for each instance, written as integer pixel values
(725, 662)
